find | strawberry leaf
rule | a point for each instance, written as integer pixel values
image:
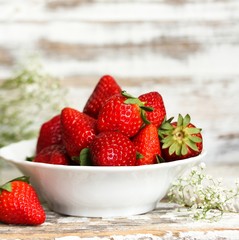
(127, 95)
(22, 178)
(146, 108)
(168, 141)
(179, 149)
(186, 121)
(195, 139)
(133, 101)
(139, 155)
(143, 116)
(184, 149)
(191, 144)
(166, 126)
(173, 148)
(8, 186)
(180, 120)
(193, 130)
(30, 159)
(84, 158)
(159, 159)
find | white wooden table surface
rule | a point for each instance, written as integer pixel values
(188, 50)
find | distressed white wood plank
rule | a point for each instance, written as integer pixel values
(116, 10)
(142, 45)
(188, 50)
(165, 222)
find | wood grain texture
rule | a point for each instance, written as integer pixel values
(165, 222)
(93, 37)
(188, 50)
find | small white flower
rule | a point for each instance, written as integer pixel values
(185, 178)
(194, 206)
(200, 188)
(208, 177)
(202, 165)
(192, 199)
(198, 172)
(237, 181)
(219, 180)
(194, 169)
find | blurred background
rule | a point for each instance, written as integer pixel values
(187, 50)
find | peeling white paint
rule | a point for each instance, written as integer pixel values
(69, 219)
(212, 235)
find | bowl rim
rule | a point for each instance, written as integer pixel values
(95, 168)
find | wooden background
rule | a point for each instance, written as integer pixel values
(188, 50)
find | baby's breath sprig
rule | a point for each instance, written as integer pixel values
(204, 195)
(27, 99)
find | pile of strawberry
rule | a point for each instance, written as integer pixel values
(117, 129)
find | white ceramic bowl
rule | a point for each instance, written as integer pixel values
(97, 191)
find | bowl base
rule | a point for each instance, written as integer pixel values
(104, 211)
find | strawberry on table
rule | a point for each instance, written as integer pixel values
(106, 87)
(154, 100)
(181, 139)
(78, 130)
(122, 113)
(112, 149)
(54, 154)
(19, 203)
(50, 133)
(147, 145)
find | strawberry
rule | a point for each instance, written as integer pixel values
(78, 130)
(50, 133)
(106, 87)
(181, 139)
(19, 203)
(54, 154)
(122, 113)
(147, 145)
(112, 149)
(154, 100)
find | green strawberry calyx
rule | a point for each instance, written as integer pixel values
(84, 157)
(159, 159)
(133, 100)
(139, 155)
(177, 138)
(8, 185)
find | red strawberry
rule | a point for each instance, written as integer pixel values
(122, 113)
(112, 149)
(180, 139)
(54, 154)
(19, 203)
(106, 87)
(50, 133)
(147, 145)
(78, 130)
(154, 100)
